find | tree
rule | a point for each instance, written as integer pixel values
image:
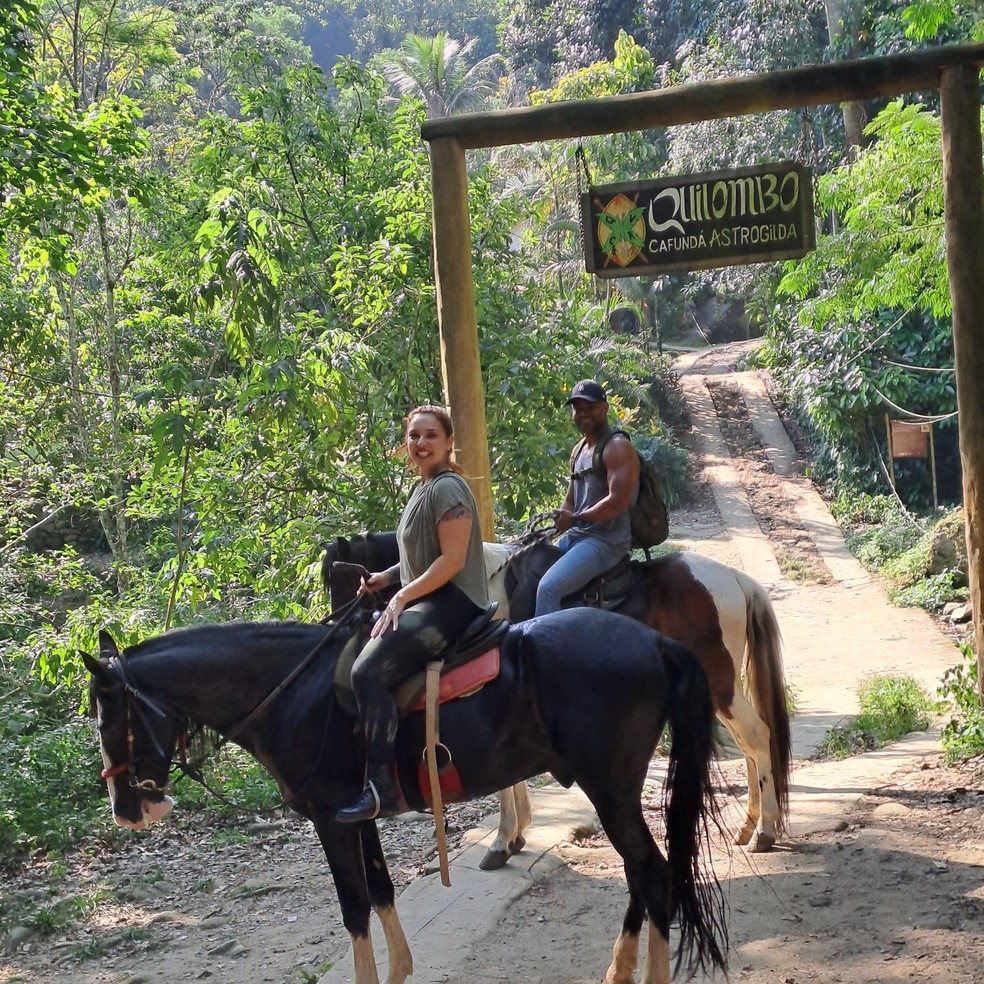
(869, 322)
(44, 143)
(378, 25)
(436, 70)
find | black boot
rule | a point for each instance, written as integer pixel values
(381, 798)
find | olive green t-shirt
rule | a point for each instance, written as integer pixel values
(416, 534)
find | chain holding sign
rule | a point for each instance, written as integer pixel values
(698, 221)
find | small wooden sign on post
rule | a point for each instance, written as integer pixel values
(911, 440)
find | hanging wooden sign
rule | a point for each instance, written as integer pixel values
(697, 221)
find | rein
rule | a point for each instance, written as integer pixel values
(539, 529)
(347, 610)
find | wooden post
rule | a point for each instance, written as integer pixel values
(457, 325)
(963, 188)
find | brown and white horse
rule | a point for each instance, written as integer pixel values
(724, 616)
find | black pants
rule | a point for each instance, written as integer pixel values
(426, 627)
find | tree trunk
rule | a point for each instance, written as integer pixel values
(841, 19)
(115, 523)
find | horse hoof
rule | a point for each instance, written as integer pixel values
(494, 860)
(744, 835)
(763, 844)
(517, 845)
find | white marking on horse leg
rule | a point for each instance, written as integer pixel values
(625, 956)
(123, 822)
(753, 736)
(508, 821)
(498, 851)
(400, 957)
(657, 958)
(364, 960)
(524, 815)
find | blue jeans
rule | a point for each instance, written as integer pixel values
(581, 562)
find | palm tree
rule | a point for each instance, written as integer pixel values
(436, 69)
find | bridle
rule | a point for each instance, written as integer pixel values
(137, 704)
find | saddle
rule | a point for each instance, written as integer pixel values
(610, 589)
(469, 664)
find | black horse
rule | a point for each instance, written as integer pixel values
(721, 614)
(581, 694)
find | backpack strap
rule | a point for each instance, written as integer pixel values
(578, 448)
(597, 465)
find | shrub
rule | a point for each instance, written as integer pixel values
(932, 592)
(963, 735)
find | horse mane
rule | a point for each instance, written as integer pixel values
(206, 635)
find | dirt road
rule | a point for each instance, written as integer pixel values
(889, 885)
(891, 890)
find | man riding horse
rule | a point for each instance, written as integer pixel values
(595, 515)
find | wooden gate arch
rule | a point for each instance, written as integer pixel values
(953, 70)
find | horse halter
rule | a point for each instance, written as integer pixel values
(135, 704)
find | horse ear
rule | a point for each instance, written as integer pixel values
(93, 665)
(107, 646)
(344, 549)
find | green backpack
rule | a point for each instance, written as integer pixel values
(650, 523)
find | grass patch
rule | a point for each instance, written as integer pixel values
(795, 567)
(48, 913)
(890, 707)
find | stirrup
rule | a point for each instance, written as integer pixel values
(360, 810)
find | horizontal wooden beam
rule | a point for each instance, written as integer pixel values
(866, 78)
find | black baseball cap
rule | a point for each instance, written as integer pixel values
(588, 390)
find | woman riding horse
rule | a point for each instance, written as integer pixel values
(443, 589)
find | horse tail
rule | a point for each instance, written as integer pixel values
(689, 809)
(765, 682)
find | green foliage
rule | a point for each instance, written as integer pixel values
(442, 72)
(380, 24)
(963, 734)
(865, 509)
(47, 144)
(884, 533)
(631, 69)
(926, 17)
(50, 793)
(932, 592)
(234, 783)
(50, 912)
(869, 325)
(890, 707)
(887, 539)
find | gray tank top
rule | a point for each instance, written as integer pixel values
(590, 488)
